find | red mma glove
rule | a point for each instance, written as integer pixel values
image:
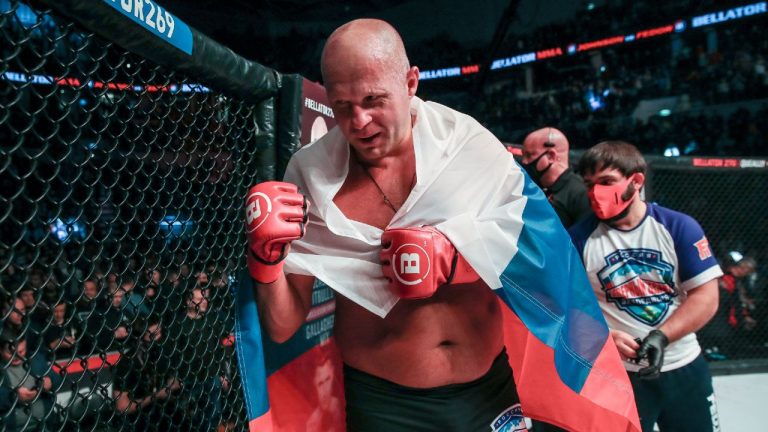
(417, 261)
(275, 215)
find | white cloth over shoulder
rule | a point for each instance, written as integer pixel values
(468, 186)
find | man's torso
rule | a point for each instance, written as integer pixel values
(449, 338)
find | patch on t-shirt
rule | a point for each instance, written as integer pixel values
(703, 247)
(511, 420)
(640, 282)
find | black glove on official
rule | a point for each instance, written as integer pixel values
(652, 347)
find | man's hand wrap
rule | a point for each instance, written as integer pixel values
(417, 261)
(275, 215)
(652, 347)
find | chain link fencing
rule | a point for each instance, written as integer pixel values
(121, 186)
(728, 198)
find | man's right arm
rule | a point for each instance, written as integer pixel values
(276, 215)
(284, 304)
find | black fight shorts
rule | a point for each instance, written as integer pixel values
(489, 403)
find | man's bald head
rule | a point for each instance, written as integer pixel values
(546, 152)
(546, 138)
(364, 43)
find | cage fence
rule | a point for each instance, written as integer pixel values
(120, 234)
(731, 206)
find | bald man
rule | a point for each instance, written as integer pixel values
(431, 362)
(545, 159)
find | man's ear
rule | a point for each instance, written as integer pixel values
(552, 155)
(639, 180)
(412, 80)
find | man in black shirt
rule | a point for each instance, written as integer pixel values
(545, 158)
(143, 385)
(26, 386)
(108, 323)
(201, 362)
(64, 330)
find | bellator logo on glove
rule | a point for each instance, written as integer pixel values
(410, 264)
(418, 260)
(275, 215)
(254, 215)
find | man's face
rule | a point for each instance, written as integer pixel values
(372, 107)
(743, 270)
(324, 381)
(611, 194)
(16, 317)
(28, 298)
(153, 333)
(532, 149)
(90, 290)
(198, 302)
(60, 313)
(6, 353)
(117, 298)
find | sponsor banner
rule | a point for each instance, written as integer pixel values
(316, 114)
(307, 394)
(729, 14)
(703, 162)
(316, 330)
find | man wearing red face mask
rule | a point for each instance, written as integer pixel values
(655, 278)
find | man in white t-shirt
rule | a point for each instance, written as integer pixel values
(655, 278)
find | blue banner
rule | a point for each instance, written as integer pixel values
(157, 20)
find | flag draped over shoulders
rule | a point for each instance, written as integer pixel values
(567, 369)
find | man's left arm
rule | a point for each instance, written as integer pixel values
(694, 312)
(690, 316)
(698, 271)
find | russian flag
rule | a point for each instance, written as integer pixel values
(566, 366)
(567, 369)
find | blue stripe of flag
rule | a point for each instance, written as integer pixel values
(546, 285)
(248, 346)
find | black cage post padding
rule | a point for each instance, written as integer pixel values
(265, 148)
(210, 62)
(288, 136)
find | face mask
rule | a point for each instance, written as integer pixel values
(606, 200)
(534, 173)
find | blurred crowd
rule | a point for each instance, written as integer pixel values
(718, 98)
(168, 323)
(717, 75)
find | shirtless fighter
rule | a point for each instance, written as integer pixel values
(436, 360)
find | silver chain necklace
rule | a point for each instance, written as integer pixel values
(375, 183)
